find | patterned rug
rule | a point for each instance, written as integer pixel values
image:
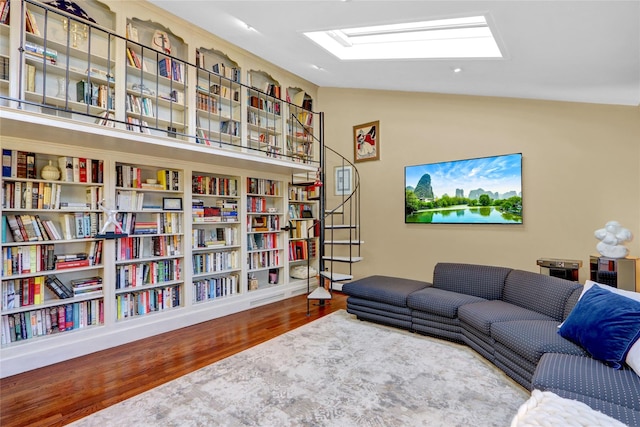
(335, 371)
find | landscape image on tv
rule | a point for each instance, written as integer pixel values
(485, 190)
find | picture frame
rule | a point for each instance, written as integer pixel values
(171, 203)
(343, 180)
(366, 142)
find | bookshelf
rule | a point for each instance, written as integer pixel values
(264, 114)
(52, 260)
(69, 129)
(69, 64)
(215, 236)
(156, 80)
(299, 136)
(302, 214)
(265, 239)
(218, 106)
(149, 262)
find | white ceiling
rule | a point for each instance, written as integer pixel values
(583, 51)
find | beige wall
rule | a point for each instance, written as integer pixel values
(581, 167)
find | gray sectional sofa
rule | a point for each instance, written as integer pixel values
(510, 317)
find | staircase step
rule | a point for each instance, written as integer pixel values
(343, 258)
(340, 226)
(319, 293)
(334, 211)
(336, 277)
(343, 242)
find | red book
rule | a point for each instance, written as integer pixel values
(62, 319)
(72, 264)
(83, 169)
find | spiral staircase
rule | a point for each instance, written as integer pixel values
(337, 227)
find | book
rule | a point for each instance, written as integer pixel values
(58, 288)
(6, 162)
(31, 23)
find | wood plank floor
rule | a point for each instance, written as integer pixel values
(59, 394)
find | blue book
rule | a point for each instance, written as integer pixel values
(6, 162)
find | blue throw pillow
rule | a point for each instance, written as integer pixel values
(605, 324)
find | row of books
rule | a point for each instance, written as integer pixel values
(302, 250)
(214, 186)
(81, 169)
(263, 223)
(263, 186)
(129, 200)
(128, 176)
(225, 92)
(299, 194)
(46, 196)
(300, 210)
(39, 53)
(139, 303)
(32, 228)
(257, 204)
(137, 105)
(161, 223)
(214, 237)
(303, 229)
(260, 241)
(171, 69)
(148, 273)
(230, 127)
(215, 287)
(207, 214)
(213, 262)
(17, 260)
(137, 125)
(4, 68)
(95, 94)
(266, 105)
(52, 320)
(23, 292)
(129, 248)
(256, 260)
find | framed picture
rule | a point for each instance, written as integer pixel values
(366, 142)
(172, 203)
(343, 180)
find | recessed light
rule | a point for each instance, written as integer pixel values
(457, 70)
(468, 37)
(317, 67)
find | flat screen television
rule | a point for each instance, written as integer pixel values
(485, 190)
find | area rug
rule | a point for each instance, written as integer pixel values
(335, 371)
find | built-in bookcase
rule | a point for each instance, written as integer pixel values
(215, 236)
(68, 63)
(299, 132)
(52, 267)
(302, 215)
(156, 80)
(149, 261)
(218, 106)
(264, 113)
(265, 239)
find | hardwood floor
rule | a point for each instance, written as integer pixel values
(59, 394)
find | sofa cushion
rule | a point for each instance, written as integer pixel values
(482, 281)
(530, 339)
(389, 290)
(606, 324)
(481, 315)
(440, 302)
(545, 294)
(614, 392)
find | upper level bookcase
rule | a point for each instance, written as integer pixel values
(147, 78)
(69, 63)
(156, 79)
(218, 107)
(300, 146)
(264, 113)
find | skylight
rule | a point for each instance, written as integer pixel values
(468, 37)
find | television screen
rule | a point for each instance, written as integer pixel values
(485, 190)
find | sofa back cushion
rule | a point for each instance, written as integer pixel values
(538, 292)
(482, 281)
